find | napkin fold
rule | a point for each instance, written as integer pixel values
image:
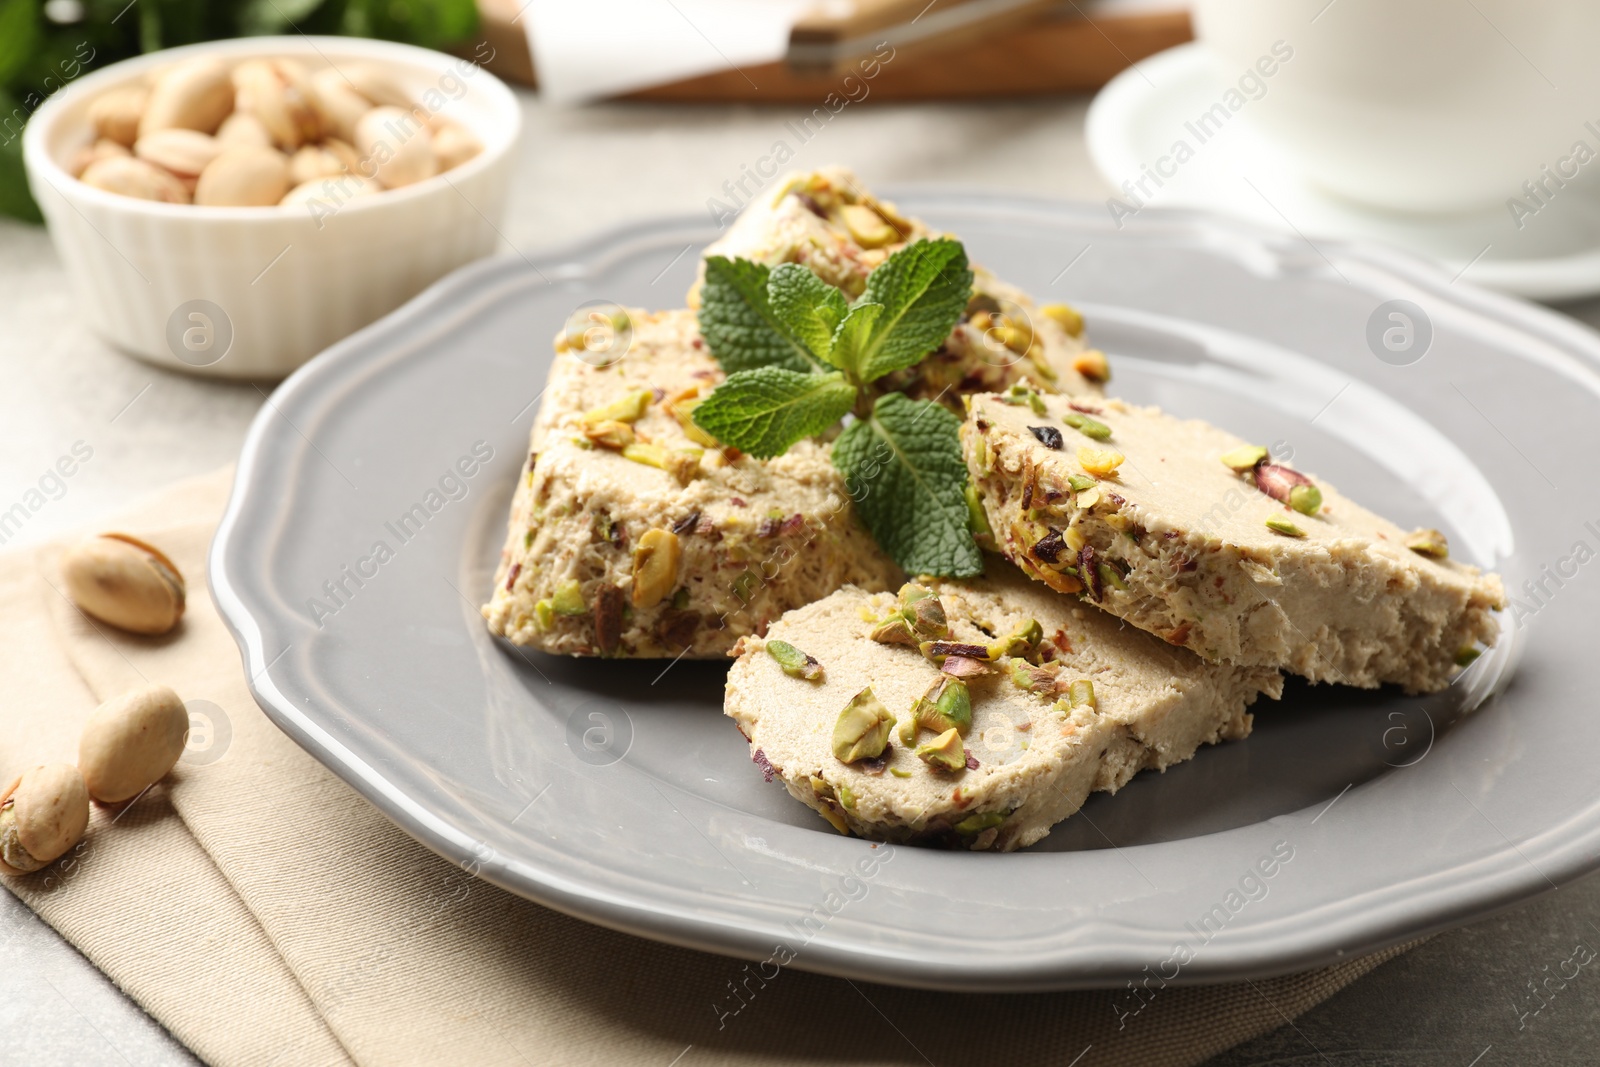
(266, 914)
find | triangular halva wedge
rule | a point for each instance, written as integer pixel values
(632, 533)
(828, 221)
(1029, 701)
(1192, 534)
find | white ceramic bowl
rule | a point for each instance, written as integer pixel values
(255, 292)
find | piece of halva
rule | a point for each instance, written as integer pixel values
(984, 737)
(828, 221)
(631, 535)
(1188, 532)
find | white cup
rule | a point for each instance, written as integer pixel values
(1421, 105)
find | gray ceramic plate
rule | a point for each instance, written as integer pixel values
(618, 792)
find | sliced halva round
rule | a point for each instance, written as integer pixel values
(972, 713)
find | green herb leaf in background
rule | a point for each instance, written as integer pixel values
(19, 37)
(14, 198)
(766, 410)
(275, 16)
(903, 468)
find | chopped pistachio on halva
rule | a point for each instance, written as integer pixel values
(1002, 727)
(1190, 533)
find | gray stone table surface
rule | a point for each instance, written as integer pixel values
(1450, 1002)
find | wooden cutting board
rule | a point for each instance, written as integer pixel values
(1021, 49)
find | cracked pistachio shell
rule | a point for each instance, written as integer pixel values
(125, 582)
(42, 815)
(131, 742)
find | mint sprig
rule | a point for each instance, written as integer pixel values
(800, 357)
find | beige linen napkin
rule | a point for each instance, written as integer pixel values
(266, 914)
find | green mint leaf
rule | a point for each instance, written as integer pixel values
(903, 469)
(923, 288)
(764, 411)
(809, 307)
(739, 323)
(853, 336)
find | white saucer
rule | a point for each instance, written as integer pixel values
(1139, 117)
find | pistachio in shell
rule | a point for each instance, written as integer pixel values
(42, 815)
(311, 162)
(240, 128)
(130, 742)
(123, 581)
(127, 176)
(376, 84)
(116, 114)
(244, 176)
(396, 146)
(193, 95)
(337, 101)
(278, 92)
(324, 196)
(85, 157)
(184, 153)
(453, 146)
